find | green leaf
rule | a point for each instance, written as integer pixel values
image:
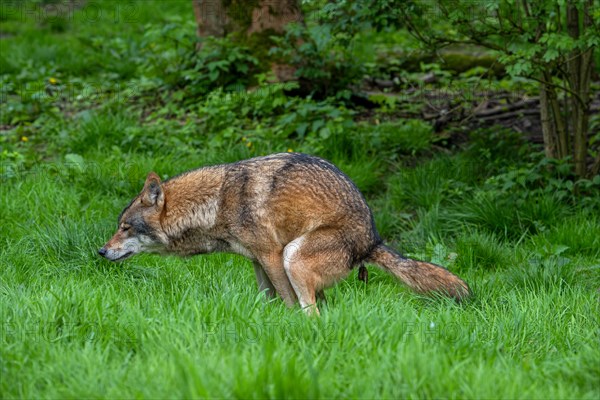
(569, 185)
(324, 133)
(317, 124)
(75, 161)
(550, 54)
(301, 129)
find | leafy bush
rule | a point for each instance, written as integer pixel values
(173, 56)
(324, 66)
(497, 147)
(408, 136)
(542, 176)
(268, 120)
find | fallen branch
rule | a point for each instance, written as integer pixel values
(508, 107)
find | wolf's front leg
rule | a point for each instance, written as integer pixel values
(264, 283)
(320, 295)
(272, 265)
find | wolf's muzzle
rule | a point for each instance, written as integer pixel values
(102, 252)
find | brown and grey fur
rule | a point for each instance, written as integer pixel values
(302, 222)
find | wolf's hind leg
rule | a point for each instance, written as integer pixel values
(313, 262)
(264, 283)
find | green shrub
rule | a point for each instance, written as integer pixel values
(324, 66)
(496, 147)
(172, 55)
(539, 176)
(405, 136)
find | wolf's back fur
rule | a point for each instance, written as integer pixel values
(299, 218)
(289, 195)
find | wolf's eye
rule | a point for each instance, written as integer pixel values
(125, 228)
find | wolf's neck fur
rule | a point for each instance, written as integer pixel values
(191, 201)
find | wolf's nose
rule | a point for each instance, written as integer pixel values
(102, 251)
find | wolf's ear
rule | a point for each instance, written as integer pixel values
(152, 194)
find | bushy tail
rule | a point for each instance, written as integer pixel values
(423, 277)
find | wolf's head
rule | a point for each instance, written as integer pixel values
(139, 224)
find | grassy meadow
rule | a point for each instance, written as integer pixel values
(96, 96)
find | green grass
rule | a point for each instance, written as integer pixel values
(77, 326)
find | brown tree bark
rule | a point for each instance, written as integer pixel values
(249, 22)
(548, 126)
(558, 131)
(579, 76)
(210, 18)
(274, 15)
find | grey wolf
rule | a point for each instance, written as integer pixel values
(301, 221)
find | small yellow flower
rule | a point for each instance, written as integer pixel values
(53, 81)
(249, 144)
(290, 150)
(243, 139)
(24, 139)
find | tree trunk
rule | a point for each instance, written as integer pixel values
(579, 76)
(274, 15)
(251, 23)
(210, 18)
(548, 126)
(558, 126)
